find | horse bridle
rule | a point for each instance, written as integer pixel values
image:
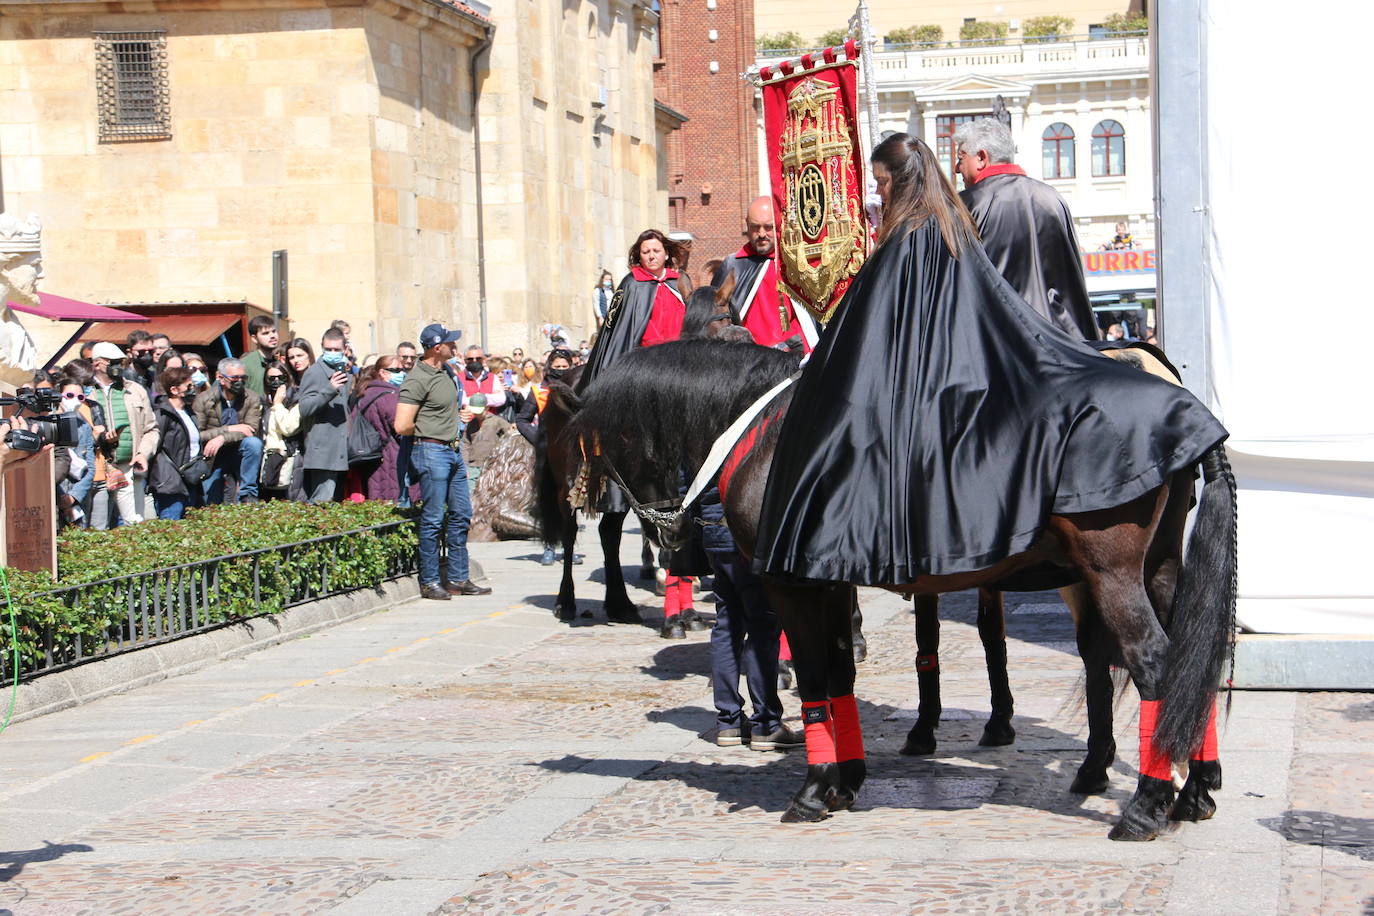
(651, 513)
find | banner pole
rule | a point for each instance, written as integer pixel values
(861, 23)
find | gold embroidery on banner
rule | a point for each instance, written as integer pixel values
(822, 223)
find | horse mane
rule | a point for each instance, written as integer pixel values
(656, 403)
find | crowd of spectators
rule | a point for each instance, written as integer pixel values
(162, 431)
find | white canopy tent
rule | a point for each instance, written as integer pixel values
(1262, 285)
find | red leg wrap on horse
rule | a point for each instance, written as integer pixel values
(1209, 737)
(927, 663)
(684, 593)
(672, 601)
(820, 732)
(1152, 762)
(849, 735)
(784, 650)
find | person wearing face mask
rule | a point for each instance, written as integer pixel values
(127, 443)
(476, 378)
(527, 420)
(196, 366)
(282, 474)
(142, 358)
(230, 419)
(377, 405)
(76, 475)
(178, 445)
(601, 298)
(323, 398)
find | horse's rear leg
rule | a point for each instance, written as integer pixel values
(566, 606)
(921, 739)
(806, 612)
(619, 607)
(1095, 648)
(1109, 549)
(992, 630)
(844, 706)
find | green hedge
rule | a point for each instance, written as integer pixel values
(86, 557)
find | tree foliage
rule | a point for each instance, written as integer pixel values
(779, 41)
(915, 34)
(983, 32)
(1125, 23)
(832, 39)
(1046, 28)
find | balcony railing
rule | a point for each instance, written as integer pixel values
(1072, 54)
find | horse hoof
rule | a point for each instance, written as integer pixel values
(1090, 783)
(860, 651)
(802, 814)
(1190, 806)
(692, 620)
(918, 746)
(565, 614)
(997, 733)
(839, 800)
(624, 615)
(672, 628)
(1124, 833)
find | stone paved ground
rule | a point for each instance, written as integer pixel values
(477, 757)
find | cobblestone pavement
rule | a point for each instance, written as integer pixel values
(475, 756)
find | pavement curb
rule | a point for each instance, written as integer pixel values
(126, 671)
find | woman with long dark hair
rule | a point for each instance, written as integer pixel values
(941, 419)
(299, 357)
(647, 308)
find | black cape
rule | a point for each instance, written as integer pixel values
(1028, 234)
(940, 422)
(626, 321)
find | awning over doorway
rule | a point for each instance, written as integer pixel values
(184, 330)
(60, 308)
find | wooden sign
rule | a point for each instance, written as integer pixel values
(27, 498)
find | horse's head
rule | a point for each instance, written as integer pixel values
(709, 310)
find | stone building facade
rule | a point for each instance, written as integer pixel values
(712, 162)
(343, 134)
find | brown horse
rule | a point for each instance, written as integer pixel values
(665, 405)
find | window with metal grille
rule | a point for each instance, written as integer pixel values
(131, 86)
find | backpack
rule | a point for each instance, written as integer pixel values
(365, 444)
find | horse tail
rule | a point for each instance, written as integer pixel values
(546, 497)
(1203, 618)
(562, 405)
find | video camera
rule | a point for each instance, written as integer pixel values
(45, 427)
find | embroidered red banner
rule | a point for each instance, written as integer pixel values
(815, 162)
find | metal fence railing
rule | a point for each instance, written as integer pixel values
(160, 605)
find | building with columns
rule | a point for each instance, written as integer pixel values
(416, 160)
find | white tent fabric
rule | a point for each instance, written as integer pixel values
(1287, 300)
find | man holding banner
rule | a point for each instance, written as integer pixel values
(768, 314)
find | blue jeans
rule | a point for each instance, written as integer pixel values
(241, 459)
(745, 637)
(446, 507)
(173, 507)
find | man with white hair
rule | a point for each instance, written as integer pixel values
(1025, 226)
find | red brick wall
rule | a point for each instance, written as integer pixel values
(718, 146)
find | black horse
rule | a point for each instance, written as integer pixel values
(665, 405)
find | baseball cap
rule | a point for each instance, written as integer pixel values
(436, 334)
(106, 350)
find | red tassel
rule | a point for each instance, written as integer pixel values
(1152, 762)
(849, 735)
(820, 732)
(1209, 737)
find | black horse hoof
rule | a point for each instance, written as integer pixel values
(997, 733)
(919, 744)
(803, 814)
(692, 620)
(860, 650)
(624, 615)
(1146, 815)
(672, 628)
(839, 799)
(1195, 801)
(1090, 783)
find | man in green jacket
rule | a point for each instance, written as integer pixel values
(262, 330)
